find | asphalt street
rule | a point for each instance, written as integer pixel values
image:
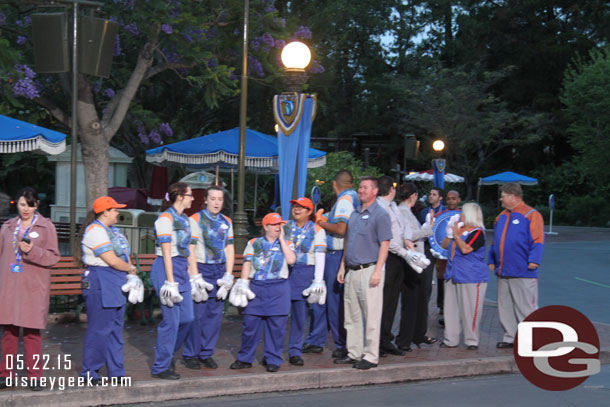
(575, 274)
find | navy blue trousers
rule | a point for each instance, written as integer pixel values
(330, 315)
(205, 329)
(177, 320)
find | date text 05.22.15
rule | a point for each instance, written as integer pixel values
(40, 362)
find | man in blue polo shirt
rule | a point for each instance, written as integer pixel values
(369, 231)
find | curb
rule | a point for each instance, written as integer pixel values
(157, 391)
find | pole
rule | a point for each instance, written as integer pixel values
(74, 129)
(240, 218)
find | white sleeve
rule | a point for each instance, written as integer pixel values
(319, 266)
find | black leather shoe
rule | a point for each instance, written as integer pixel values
(383, 353)
(97, 382)
(309, 348)
(504, 345)
(238, 364)
(441, 322)
(364, 365)
(345, 361)
(272, 368)
(391, 350)
(167, 375)
(472, 347)
(444, 345)
(192, 364)
(339, 353)
(296, 361)
(209, 363)
(405, 348)
(3, 384)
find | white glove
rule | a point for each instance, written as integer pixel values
(169, 294)
(316, 292)
(437, 254)
(225, 283)
(241, 293)
(135, 287)
(429, 221)
(412, 261)
(200, 288)
(450, 224)
(419, 259)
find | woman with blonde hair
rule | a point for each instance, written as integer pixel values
(466, 277)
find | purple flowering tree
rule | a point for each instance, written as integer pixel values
(188, 49)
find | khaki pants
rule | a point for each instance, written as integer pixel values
(363, 307)
(463, 309)
(517, 298)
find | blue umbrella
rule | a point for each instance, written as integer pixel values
(506, 177)
(223, 149)
(17, 136)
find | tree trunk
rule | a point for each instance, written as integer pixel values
(94, 144)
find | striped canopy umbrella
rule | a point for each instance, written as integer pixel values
(429, 177)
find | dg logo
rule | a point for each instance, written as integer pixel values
(557, 348)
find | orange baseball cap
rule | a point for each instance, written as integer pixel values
(304, 202)
(105, 202)
(272, 219)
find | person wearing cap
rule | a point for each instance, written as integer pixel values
(307, 274)
(170, 277)
(214, 255)
(28, 249)
(104, 252)
(267, 299)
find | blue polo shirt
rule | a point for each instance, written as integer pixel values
(366, 230)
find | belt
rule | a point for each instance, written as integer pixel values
(361, 266)
(334, 251)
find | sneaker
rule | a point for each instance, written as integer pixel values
(209, 363)
(339, 353)
(504, 345)
(296, 361)
(167, 375)
(238, 364)
(309, 348)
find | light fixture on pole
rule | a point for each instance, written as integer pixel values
(439, 164)
(294, 113)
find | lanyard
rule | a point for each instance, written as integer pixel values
(16, 233)
(299, 239)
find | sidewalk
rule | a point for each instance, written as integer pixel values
(430, 362)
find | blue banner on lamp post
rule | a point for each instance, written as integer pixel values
(438, 167)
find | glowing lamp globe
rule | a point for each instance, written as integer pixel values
(296, 56)
(438, 145)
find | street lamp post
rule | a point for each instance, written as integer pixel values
(240, 219)
(439, 164)
(293, 112)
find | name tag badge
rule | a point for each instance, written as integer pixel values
(365, 217)
(275, 249)
(16, 268)
(516, 222)
(34, 235)
(224, 226)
